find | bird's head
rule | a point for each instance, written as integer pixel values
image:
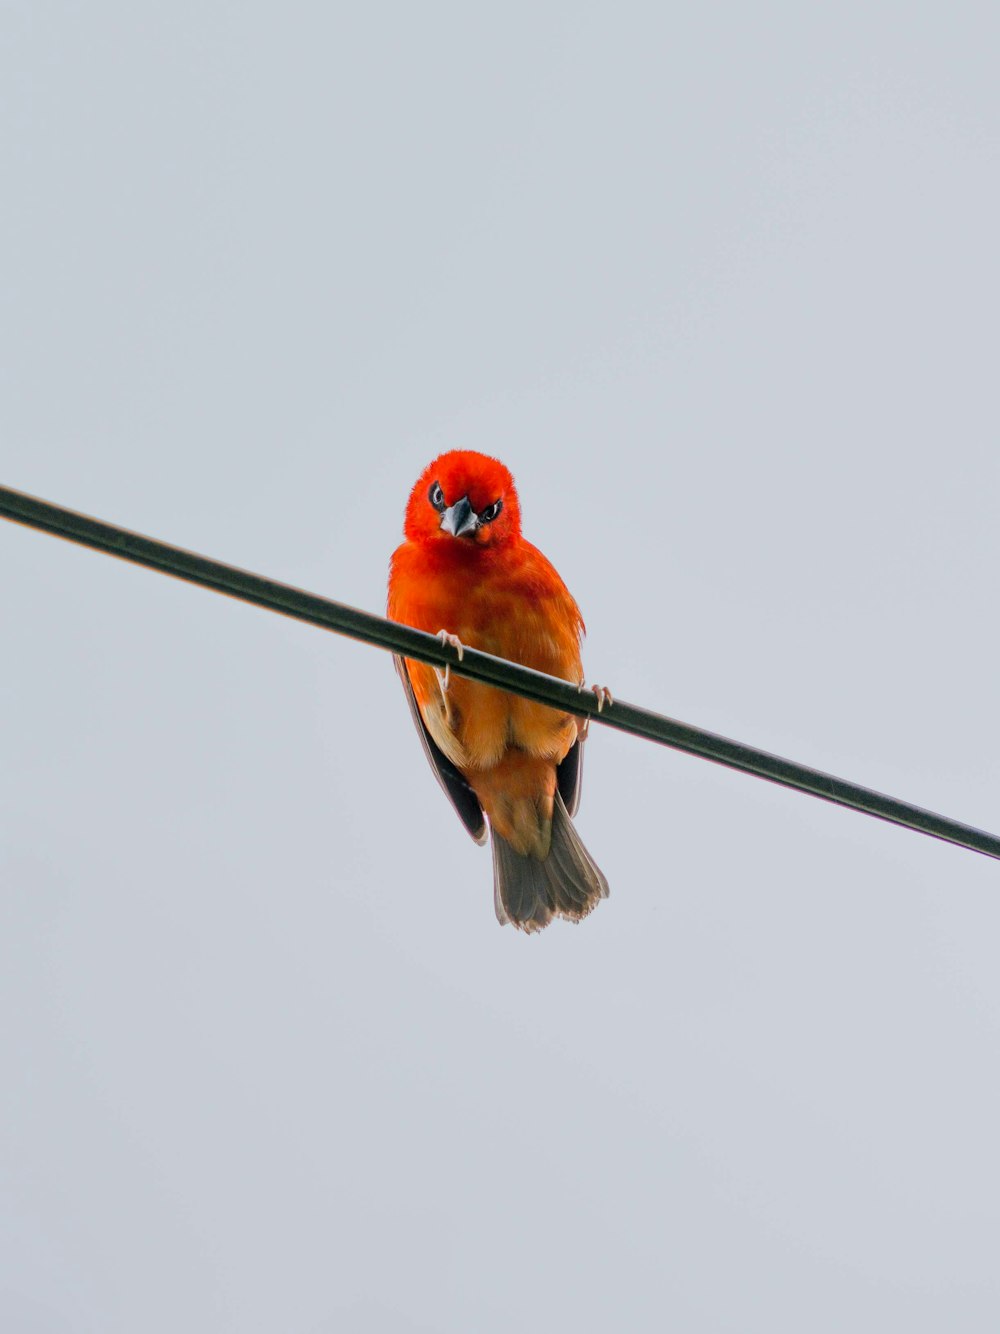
(464, 497)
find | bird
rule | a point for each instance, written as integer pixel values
(511, 767)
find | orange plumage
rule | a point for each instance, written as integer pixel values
(464, 568)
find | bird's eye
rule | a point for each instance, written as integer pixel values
(436, 496)
(491, 511)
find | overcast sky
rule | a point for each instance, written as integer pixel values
(720, 285)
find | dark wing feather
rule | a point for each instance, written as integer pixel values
(458, 791)
(569, 776)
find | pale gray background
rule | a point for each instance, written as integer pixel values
(720, 285)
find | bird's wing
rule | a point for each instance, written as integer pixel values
(569, 776)
(458, 791)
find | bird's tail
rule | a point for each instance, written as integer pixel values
(529, 892)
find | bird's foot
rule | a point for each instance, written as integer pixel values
(444, 674)
(604, 700)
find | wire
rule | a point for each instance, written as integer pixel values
(402, 639)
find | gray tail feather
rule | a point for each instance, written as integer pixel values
(529, 892)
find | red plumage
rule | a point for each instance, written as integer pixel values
(465, 568)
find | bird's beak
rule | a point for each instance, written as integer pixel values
(460, 519)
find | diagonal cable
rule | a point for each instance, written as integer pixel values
(402, 639)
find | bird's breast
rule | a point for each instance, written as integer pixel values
(520, 611)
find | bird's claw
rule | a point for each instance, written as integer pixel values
(604, 697)
(453, 641)
(604, 700)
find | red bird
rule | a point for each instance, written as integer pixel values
(466, 573)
